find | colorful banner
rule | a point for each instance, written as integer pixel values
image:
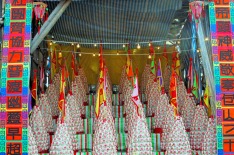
(15, 77)
(222, 39)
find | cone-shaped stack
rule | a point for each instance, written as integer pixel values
(182, 92)
(209, 144)
(75, 113)
(178, 141)
(198, 127)
(39, 130)
(161, 111)
(62, 144)
(122, 78)
(188, 111)
(149, 85)
(138, 140)
(104, 140)
(46, 112)
(84, 79)
(32, 145)
(168, 122)
(145, 77)
(53, 94)
(153, 97)
(70, 121)
(166, 78)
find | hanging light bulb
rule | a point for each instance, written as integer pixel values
(158, 47)
(99, 54)
(123, 45)
(178, 42)
(149, 56)
(72, 44)
(138, 46)
(94, 54)
(95, 45)
(80, 54)
(51, 43)
(117, 52)
(78, 46)
(149, 44)
(198, 50)
(206, 39)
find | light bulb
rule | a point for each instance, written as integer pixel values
(149, 44)
(158, 48)
(80, 54)
(178, 42)
(95, 45)
(78, 46)
(123, 45)
(138, 46)
(72, 44)
(117, 53)
(94, 54)
(51, 43)
(99, 54)
(198, 50)
(206, 39)
(149, 56)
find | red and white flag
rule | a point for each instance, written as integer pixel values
(135, 93)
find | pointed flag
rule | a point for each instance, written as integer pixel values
(159, 75)
(195, 85)
(173, 92)
(206, 99)
(177, 64)
(152, 53)
(61, 103)
(135, 93)
(190, 75)
(53, 64)
(129, 69)
(101, 94)
(34, 86)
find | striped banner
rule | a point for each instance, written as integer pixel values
(85, 142)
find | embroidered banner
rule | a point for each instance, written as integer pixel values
(15, 77)
(222, 39)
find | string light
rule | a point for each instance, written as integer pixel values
(95, 45)
(178, 42)
(149, 44)
(94, 54)
(80, 54)
(123, 45)
(158, 48)
(99, 54)
(198, 50)
(206, 39)
(117, 53)
(138, 46)
(51, 43)
(72, 44)
(149, 56)
(78, 46)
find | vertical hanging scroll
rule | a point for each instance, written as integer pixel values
(222, 35)
(15, 77)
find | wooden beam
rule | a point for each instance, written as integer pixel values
(48, 25)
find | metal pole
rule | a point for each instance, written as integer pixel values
(48, 25)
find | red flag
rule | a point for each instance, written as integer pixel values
(61, 103)
(34, 86)
(190, 75)
(42, 77)
(173, 92)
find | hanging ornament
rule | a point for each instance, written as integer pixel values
(41, 13)
(196, 8)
